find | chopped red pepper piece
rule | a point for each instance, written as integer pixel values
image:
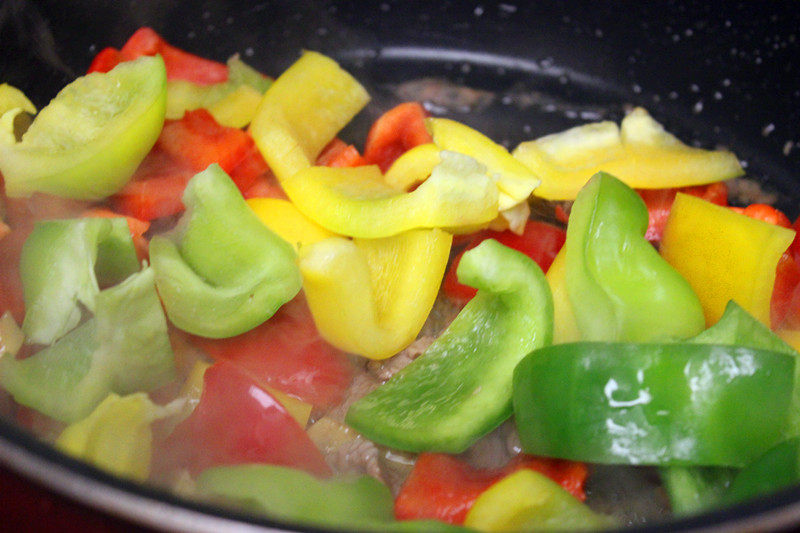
(340, 154)
(287, 353)
(539, 241)
(765, 213)
(236, 422)
(442, 487)
(659, 203)
(105, 60)
(180, 64)
(394, 133)
(185, 147)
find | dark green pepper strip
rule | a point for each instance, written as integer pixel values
(222, 271)
(63, 264)
(460, 388)
(619, 287)
(660, 404)
(692, 489)
(294, 496)
(123, 349)
(776, 469)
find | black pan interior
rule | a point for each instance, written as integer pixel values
(715, 74)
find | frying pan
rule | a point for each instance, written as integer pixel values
(722, 74)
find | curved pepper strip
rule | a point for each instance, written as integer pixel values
(117, 436)
(371, 297)
(724, 255)
(530, 501)
(282, 217)
(302, 111)
(692, 489)
(460, 388)
(778, 468)
(222, 271)
(515, 181)
(357, 201)
(413, 167)
(663, 404)
(290, 495)
(62, 266)
(124, 348)
(618, 285)
(640, 153)
(13, 103)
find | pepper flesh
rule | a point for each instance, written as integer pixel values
(460, 388)
(302, 111)
(357, 201)
(222, 272)
(691, 489)
(62, 266)
(640, 153)
(87, 142)
(372, 296)
(618, 285)
(117, 436)
(663, 404)
(530, 501)
(724, 255)
(124, 348)
(356, 503)
(514, 180)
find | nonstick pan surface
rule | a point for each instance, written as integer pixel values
(722, 74)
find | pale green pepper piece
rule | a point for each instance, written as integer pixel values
(221, 272)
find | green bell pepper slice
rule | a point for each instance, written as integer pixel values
(619, 287)
(692, 489)
(460, 388)
(63, 265)
(776, 469)
(124, 348)
(221, 272)
(660, 404)
(290, 495)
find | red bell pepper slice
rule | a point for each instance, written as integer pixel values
(659, 203)
(236, 422)
(765, 213)
(394, 133)
(340, 154)
(287, 353)
(179, 64)
(185, 147)
(539, 241)
(105, 60)
(442, 487)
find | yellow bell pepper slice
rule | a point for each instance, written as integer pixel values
(236, 110)
(724, 255)
(372, 296)
(282, 217)
(565, 328)
(12, 103)
(302, 111)
(116, 436)
(12, 98)
(515, 181)
(357, 201)
(640, 153)
(413, 167)
(530, 501)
